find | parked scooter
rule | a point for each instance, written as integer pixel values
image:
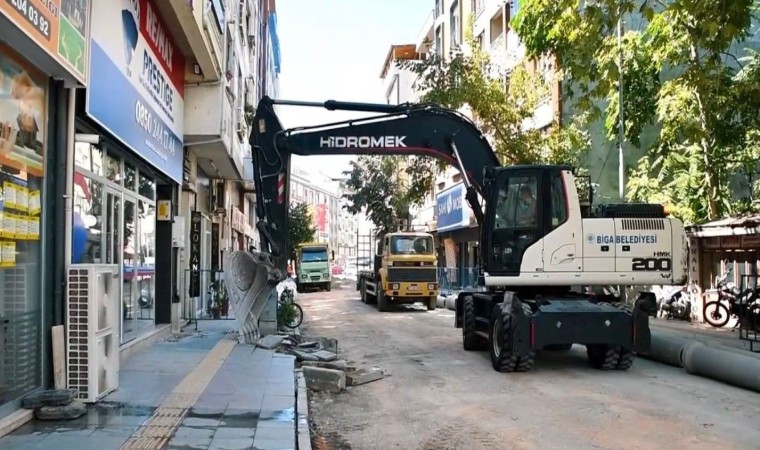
(675, 304)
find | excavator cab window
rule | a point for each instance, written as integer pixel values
(517, 218)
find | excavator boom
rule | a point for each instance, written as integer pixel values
(407, 129)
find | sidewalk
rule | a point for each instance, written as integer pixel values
(702, 333)
(202, 390)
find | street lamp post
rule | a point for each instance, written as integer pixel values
(621, 118)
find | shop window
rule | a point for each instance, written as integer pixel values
(87, 226)
(130, 176)
(113, 169)
(88, 157)
(23, 139)
(147, 187)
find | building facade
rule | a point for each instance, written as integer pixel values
(38, 77)
(321, 194)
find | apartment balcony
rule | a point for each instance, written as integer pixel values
(216, 129)
(498, 53)
(198, 30)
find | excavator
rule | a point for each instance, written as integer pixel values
(545, 250)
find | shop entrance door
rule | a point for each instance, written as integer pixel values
(114, 248)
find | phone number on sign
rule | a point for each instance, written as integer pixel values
(32, 15)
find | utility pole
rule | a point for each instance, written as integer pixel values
(621, 118)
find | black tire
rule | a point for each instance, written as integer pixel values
(298, 318)
(498, 332)
(432, 303)
(363, 292)
(470, 340)
(329, 286)
(610, 357)
(719, 317)
(382, 300)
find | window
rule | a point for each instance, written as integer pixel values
(438, 41)
(516, 218)
(438, 7)
(516, 203)
(412, 245)
(559, 201)
(455, 25)
(514, 6)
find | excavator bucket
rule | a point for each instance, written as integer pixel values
(251, 279)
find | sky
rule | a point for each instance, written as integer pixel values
(334, 50)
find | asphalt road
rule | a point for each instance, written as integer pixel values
(439, 396)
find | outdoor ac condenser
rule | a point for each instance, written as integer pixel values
(92, 330)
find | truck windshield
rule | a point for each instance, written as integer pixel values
(314, 255)
(411, 245)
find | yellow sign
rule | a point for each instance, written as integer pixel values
(164, 210)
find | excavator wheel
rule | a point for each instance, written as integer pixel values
(610, 357)
(470, 339)
(498, 333)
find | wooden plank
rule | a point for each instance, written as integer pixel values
(59, 357)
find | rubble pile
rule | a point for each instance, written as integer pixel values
(318, 358)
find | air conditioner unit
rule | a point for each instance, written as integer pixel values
(93, 307)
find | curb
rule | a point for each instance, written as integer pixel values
(303, 433)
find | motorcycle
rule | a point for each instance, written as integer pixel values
(742, 304)
(676, 304)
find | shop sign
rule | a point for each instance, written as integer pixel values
(59, 27)
(136, 83)
(164, 211)
(194, 289)
(215, 246)
(451, 209)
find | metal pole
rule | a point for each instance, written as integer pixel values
(621, 121)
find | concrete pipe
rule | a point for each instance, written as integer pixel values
(716, 363)
(666, 350)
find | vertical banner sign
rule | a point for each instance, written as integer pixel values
(137, 81)
(195, 255)
(215, 246)
(59, 27)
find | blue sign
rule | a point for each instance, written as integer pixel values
(451, 209)
(136, 84)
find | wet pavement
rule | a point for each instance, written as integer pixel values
(249, 403)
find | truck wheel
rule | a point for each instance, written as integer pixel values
(382, 300)
(432, 303)
(329, 286)
(363, 292)
(470, 340)
(498, 333)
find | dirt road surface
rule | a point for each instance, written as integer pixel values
(439, 396)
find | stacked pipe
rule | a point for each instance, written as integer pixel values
(729, 365)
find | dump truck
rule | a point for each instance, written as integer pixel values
(313, 267)
(404, 271)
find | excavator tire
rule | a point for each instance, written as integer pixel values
(610, 357)
(470, 340)
(498, 333)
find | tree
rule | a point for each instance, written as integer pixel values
(387, 186)
(300, 227)
(680, 76)
(503, 104)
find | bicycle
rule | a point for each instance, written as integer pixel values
(286, 298)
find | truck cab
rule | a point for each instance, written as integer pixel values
(313, 267)
(405, 271)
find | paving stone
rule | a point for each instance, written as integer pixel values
(271, 341)
(231, 444)
(236, 432)
(305, 355)
(363, 376)
(321, 379)
(340, 364)
(273, 444)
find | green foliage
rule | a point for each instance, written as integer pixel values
(385, 187)
(300, 227)
(678, 74)
(502, 104)
(286, 313)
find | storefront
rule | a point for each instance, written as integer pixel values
(725, 246)
(128, 158)
(35, 76)
(457, 236)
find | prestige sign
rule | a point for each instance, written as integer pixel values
(50, 24)
(452, 212)
(195, 255)
(137, 82)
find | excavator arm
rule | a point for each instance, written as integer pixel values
(407, 129)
